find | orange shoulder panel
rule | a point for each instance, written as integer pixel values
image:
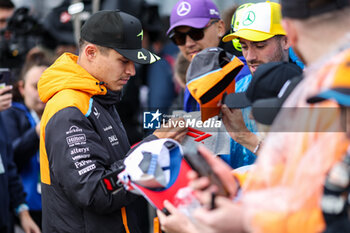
(63, 99)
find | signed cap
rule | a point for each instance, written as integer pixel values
(212, 73)
(265, 111)
(156, 170)
(266, 82)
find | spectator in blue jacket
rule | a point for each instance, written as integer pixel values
(260, 44)
(23, 127)
(12, 196)
(194, 26)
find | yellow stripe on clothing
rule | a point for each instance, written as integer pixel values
(125, 220)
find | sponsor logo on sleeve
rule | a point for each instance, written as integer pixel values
(78, 157)
(74, 129)
(82, 150)
(76, 139)
(82, 163)
(87, 169)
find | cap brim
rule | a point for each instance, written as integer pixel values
(208, 89)
(193, 22)
(228, 37)
(140, 56)
(158, 197)
(248, 34)
(265, 110)
(340, 95)
(237, 100)
(209, 110)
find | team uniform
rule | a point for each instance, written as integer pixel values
(82, 138)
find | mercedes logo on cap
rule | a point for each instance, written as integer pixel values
(183, 9)
(249, 18)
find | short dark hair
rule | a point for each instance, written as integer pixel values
(81, 44)
(279, 37)
(7, 4)
(103, 50)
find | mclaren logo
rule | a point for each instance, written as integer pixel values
(140, 34)
(96, 113)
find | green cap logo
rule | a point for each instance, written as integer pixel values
(141, 34)
(249, 19)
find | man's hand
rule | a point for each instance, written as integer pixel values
(176, 130)
(27, 223)
(226, 217)
(5, 99)
(235, 126)
(176, 222)
(220, 168)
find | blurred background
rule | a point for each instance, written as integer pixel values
(42, 7)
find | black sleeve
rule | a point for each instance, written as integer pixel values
(78, 160)
(25, 141)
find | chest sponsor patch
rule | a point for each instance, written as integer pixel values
(107, 128)
(96, 113)
(113, 140)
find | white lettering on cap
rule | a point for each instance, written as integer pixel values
(284, 89)
(213, 12)
(183, 9)
(140, 56)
